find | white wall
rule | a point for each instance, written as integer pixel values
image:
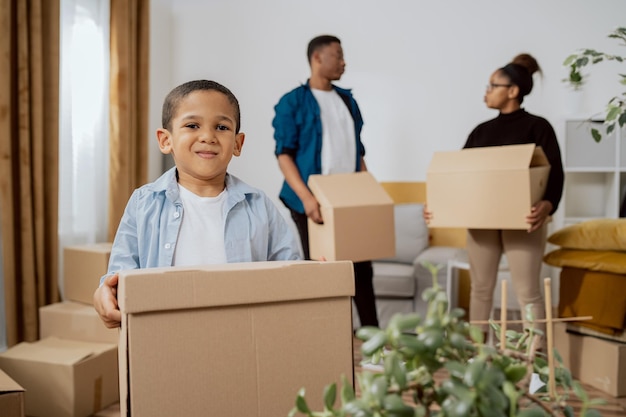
(417, 68)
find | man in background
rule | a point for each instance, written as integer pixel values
(317, 129)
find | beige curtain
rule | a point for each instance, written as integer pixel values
(29, 96)
(128, 103)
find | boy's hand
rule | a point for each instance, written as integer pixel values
(105, 302)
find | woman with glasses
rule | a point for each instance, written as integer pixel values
(524, 249)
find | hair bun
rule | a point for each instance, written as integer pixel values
(527, 61)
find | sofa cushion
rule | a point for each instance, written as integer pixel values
(598, 234)
(593, 260)
(411, 232)
(394, 280)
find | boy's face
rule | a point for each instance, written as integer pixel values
(202, 141)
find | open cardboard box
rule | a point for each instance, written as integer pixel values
(358, 218)
(11, 397)
(63, 378)
(233, 339)
(486, 188)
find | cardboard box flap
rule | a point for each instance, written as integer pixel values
(348, 190)
(492, 158)
(172, 288)
(539, 158)
(7, 384)
(55, 350)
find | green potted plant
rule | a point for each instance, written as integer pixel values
(616, 106)
(472, 378)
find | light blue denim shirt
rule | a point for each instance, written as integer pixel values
(146, 237)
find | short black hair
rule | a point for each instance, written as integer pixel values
(172, 100)
(319, 41)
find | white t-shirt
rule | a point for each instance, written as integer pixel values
(201, 236)
(338, 136)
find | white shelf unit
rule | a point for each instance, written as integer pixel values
(595, 172)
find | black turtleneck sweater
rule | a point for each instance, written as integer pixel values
(522, 127)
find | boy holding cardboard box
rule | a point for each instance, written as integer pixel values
(196, 213)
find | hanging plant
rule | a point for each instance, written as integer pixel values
(616, 106)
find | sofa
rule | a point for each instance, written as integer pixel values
(399, 281)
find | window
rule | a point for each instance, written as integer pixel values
(84, 123)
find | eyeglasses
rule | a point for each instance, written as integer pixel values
(491, 86)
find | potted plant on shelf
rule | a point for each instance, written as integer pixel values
(616, 106)
(438, 365)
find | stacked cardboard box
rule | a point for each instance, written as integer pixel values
(83, 265)
(74, 321)
(63, 378)
(11, 397)
(72, 370)
(595, 361)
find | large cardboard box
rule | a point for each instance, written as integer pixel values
(64, 378)
(486, 188)
(74, 321)
(11, 397)
(83, 266)
(598, 362)
(233, 339)
(358, 218)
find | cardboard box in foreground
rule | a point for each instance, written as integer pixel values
(594, 361)
(358, 218)
(63, 378)
(233, 339)
(83, 266)
(486, 188)
(11, 397)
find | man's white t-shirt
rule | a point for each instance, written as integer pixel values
(201, 236)
(338, 136)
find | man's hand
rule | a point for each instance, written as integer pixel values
(312, 209)
(105, 302)
(539, 214)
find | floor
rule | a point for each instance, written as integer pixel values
(614, 407)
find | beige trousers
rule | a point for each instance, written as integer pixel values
(524, 252)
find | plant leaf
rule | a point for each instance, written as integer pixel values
(330, 395)
(347, 391)
(375, 342)
(301, 404)
(595, 133)
(531, 412)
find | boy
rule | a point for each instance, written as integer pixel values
(195, 213)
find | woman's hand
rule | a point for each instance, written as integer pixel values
(539, 214)
(428, 216)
